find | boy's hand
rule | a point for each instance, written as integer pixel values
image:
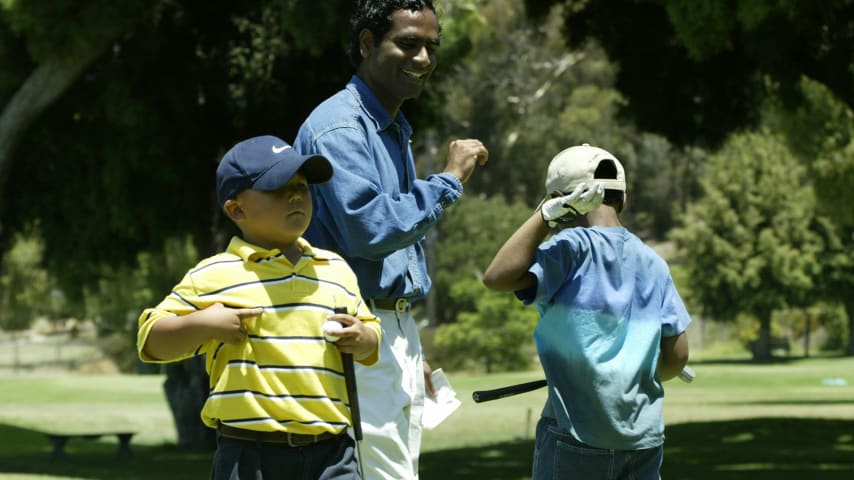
(581, 201)
(227, 325)
(353, 336)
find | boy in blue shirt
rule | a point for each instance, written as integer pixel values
(612, 325)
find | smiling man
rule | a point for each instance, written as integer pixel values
(375, 212)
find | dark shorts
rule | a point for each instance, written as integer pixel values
(333, 459)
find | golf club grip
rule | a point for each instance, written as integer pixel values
(487, 395)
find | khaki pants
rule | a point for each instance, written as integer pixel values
(391, 400)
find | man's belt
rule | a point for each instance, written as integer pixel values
(290, 439)
(399, 304)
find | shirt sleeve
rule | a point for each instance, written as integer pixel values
(551, 266)
(182, 300)
(377, 222)
(675, 318)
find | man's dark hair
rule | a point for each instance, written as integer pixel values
(375, 15)
(608, 170)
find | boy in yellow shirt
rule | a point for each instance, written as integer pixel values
(277, 392)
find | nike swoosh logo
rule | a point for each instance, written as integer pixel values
(281, 149)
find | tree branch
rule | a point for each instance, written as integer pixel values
(41, 89)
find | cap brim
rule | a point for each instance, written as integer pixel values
(315, 168)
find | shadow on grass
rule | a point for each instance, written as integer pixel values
(24, 451)
(758, 449)
(775, 359)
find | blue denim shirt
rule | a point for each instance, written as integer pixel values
(374, 212)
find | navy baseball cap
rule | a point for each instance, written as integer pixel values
(265, 163)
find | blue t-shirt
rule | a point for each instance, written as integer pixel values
(605, 300)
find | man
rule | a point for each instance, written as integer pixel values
(376, 213)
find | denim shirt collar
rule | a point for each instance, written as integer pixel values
(375, 110)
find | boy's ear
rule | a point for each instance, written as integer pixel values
(233, 210)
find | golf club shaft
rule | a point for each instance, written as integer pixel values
(352, 394)
(487, 395)
(686, 375)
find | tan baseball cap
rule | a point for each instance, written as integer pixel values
(577, 165)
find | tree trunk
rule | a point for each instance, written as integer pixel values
(45, 84)
(849, 310)
(762, 350)
(187, 389)
(807, 327)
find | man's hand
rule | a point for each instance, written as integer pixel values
(463, 155)
(428, 380)
(583, 200)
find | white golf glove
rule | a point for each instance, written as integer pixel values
(581, 201)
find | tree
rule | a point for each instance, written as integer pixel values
(25, 286)
(697, 71)
(694, 71)
(466, 240)
(747, 242)
(492, 335)
(121, 152)
(60, 51)
(821, 132)
(111, 151)
(550, 98)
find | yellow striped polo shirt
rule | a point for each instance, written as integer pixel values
(284, 376)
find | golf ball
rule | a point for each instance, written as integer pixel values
(330, 326)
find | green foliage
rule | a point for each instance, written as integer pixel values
(66, 25)
(519, 113)
(747, 242)
(27, 289)
(748, 329)
(493, 335)
(709, 27)
(130, 151)
(268, 36)
(820, 130)
(466, 239)
(462, 22)
(704, 26)
(822, 318)
(550, 99)
(833, 319)
(694, 71)
(478, 328)
(118, 298)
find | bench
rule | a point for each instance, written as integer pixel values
(58, 440)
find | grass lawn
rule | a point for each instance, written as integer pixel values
(788, 420)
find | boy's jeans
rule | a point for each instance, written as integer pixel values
(559, 456)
